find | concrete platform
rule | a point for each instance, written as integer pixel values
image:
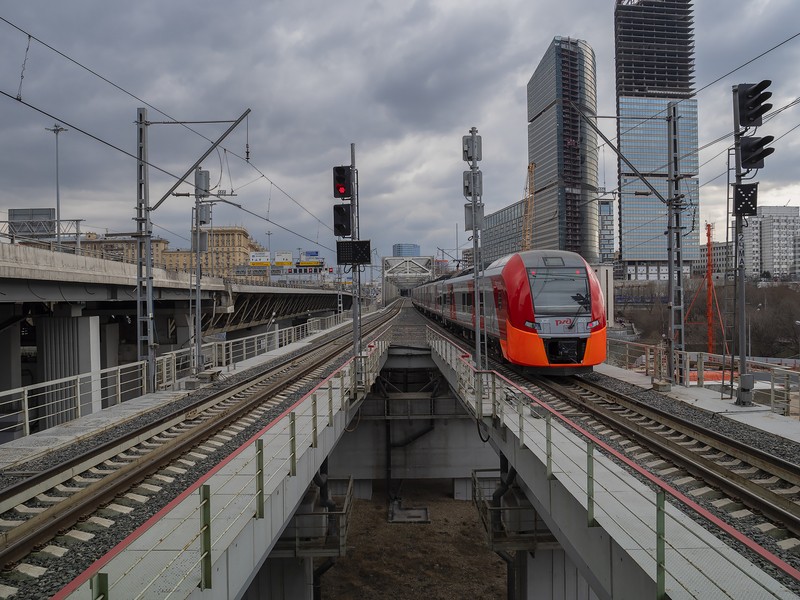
(757, 415)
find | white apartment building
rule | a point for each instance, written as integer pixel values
(770, 241)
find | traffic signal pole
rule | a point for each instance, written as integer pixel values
(356, 273)
(749, 106)
(743, 396)
(473, 217)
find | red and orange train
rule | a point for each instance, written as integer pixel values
(542, 309)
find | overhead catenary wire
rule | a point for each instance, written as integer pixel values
(717, 80)
(126, 153)
(246, 159)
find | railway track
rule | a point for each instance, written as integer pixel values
(705, 464)
(754, 491)
(68, 501)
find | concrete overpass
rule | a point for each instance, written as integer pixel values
(59, 303)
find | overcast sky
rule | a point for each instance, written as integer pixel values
(402, 80)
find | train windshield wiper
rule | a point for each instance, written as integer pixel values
(582, 300)
(584, 305)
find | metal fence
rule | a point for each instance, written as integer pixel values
(778, 386)
(37, 407)
(669, 545)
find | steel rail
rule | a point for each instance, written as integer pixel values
(18, 542)
(754, 495)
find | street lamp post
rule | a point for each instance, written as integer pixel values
(57, 129)
(269, 258)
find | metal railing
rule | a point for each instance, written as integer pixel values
(585, 465)
(250, 485)
(781, 385)
(37, 407)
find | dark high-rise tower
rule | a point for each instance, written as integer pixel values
(654, 42)
(564, 149)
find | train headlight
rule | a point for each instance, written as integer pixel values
(594, 324)
(533, 325)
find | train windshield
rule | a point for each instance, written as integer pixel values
(560, 291)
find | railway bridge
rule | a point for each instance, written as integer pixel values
(573, 524)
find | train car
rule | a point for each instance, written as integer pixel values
(542, 309)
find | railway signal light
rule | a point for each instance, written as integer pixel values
(753, 151)
(342, 182)
(753, 102)
(745, 199)
(341, 220)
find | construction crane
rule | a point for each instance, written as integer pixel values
(527, 220)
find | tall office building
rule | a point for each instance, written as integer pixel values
(564, 149)
(606, 212)
(405, 250)
(502, 232)
(654, 43)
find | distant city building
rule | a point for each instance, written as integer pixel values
(466, 258)
(606, 211)
(228, 248)
(770, 241)
(405, 250)
(564, 152)
(564, 149)
(120, 248)
(722, 260)
(502, 232)
(795, 274)
(654, 59)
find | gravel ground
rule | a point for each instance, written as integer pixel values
(446, 559)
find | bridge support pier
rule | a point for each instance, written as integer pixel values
(549, 573)
(283, 579)
(184, 329)
(65, 346)
(11, 348)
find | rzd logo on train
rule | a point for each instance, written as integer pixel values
(566, 322)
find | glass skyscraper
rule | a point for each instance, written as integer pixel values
(654, 43)
(502, 232)
(405, 250)
(564, 149)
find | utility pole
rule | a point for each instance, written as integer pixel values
(749, 105)
(201, 185)
(144, 253)
(356, 273)
(269, 257)
(675, 251)
(473, 189)
(56, 128)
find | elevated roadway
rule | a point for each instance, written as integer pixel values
(73, 302)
